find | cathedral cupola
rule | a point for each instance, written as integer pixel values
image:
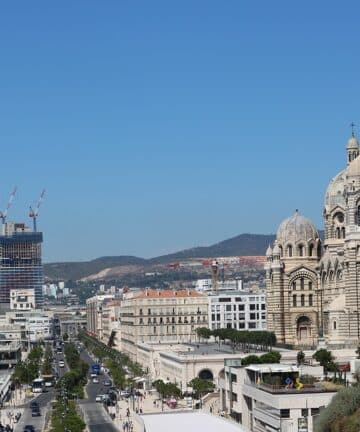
(352, 146)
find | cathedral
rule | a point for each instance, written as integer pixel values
(313, 286)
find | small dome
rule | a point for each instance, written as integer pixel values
(276, 250)
(296, 228)
(353, 143)
(354, 168)
(269, 251)
(335, 192)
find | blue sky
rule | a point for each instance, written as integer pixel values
(160, 125)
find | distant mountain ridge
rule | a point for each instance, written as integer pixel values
(241, 245)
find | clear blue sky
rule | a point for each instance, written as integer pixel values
(159, 125)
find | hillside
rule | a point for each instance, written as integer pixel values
(241, 245)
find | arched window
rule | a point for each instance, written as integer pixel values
(319, 250)
(310, 299)
(301, 250)
(302, 283)
(337, 232)
(310, 285)
(302, 299)
(311, 249)
(334, 325)
(343, 232)
(294, 300)
(289, 251)
(294, 285)
(281, 251)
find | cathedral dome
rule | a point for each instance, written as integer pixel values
(353, 143)
(335, 192)
(295, 229)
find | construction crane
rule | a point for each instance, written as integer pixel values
(33, 214)
(5, 212)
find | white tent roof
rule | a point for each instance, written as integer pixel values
(189, 422)
(272, 368)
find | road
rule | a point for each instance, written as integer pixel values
(43, 400)
(95, 416)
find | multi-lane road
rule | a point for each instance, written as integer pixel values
(43, 400)
(95, 416)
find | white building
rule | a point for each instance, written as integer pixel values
(94, 314)
(238, 310)
(205, 285)
(267, 397)
(22, 299)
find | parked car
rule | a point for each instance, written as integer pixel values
(99, 398)
(61, 364)
(29, 428)
(107, 383)
(95, 380)
(34, 404)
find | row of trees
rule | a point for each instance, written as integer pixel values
(46, 368)
(270, 357)
(73, 381)
(244, 339)
(28, 370)
(118, 363)
(200, 388)
(64, 417)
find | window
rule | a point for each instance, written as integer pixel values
(358, 216)
(334, 325)
(141, 321)
(140, 311)
(252, 307)
(302, 283)
(252, 325)
(294, 285)
(315, 411)
(310, 285)
(252, 316)
(302, 300)
(234, 397)
(241, 325)
(285, 413)
(263, 306)
(311, 249)
(343, 232)
(149, 311)
(289, 251)
(301, 250)
(228, 307)
(154, 329)
(304, 412)
(241, 307)
(294, 300)
(224, 299)
(310, 300)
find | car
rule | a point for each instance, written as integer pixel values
(138, 393)
(93, 374)
(61, 364)
(29, 428)
(107, 383)
(95, 380)
(35, 412)
(99, 398)
(34, 404)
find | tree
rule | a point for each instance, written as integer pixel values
(201, 386)
(300, 358)
(325, 358)
(203, 332)
(271, 357)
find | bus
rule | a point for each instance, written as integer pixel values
(95, 369)
(49, 380)
(38, 385)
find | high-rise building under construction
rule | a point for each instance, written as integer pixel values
(20, 261)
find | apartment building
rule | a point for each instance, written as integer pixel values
(111, 327)
(237, 309)
(271, 397)
(94, 314)
(22, 299)
(161, 316)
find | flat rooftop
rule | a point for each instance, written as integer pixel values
(189, 422)
(208, 348)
